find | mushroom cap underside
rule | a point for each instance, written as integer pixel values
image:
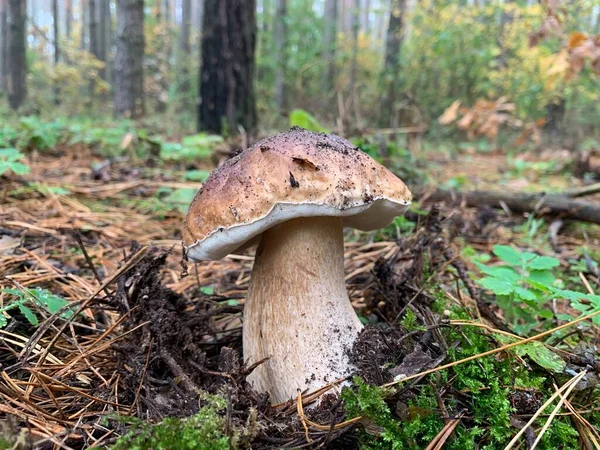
(290, 175)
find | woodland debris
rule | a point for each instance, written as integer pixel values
(539, 203)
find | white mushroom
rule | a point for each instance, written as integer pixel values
(294, 192)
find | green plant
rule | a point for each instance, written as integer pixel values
(39, 134)
(9, 161)
(192, 148)
(26, 299)
(178, 199)
(203, 431)
(486, 386)
(303, 119)
(524, 284)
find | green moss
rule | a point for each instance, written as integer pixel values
(203, 431)
(485, 385)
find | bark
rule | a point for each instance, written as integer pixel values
(103, 34)
(68, 19)
(392, 59)
(184, 45)
(329, 44)
(552, 205)
(280, 38)
(84, 24)
(227, 70)
(56, 20)
(3, 44)
(129, 75)
(186, 21)
(17, 69)
(93, 24)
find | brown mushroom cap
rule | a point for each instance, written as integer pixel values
(293, 174)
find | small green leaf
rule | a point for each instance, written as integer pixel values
(208, 290)
(524, 294)
(543, 356)
(304, 119)
(52, 302)
(541, 277)
(497, 286)
(29, 315)
(502, 272)
(508, 254)
(3, 320)
(197, 175)
(543, 263)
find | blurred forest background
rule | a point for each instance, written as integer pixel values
(355, 65)
(113, 114)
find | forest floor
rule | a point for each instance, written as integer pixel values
(106, 335)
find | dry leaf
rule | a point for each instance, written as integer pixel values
(450, 114)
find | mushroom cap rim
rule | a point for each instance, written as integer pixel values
(224, 241)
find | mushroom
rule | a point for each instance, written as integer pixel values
(293, 193)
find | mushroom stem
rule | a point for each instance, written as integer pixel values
(298, 312)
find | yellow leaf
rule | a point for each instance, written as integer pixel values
(576, 39)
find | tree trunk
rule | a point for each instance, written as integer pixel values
(17, 69)
(227, 71)
(329, 44)
(392, 60)
(93, 21)
(280, 37)
(3, 44)
(84, 24)
(184, 45)
(365, 26)
(540, 203)
(68, 19)
(197, 15)
(56, 20)
(355, 29)
(129, 75)
(103, 34)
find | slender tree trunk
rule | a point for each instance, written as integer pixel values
(227, 70)
(3, 44)
(68, 19)
(17, 69)
(93, 18)
(103, 34)
(167, 11)
(56, 20)
(84, 24)
(392, 60)
(129, 75)
(329, 44)
(381, 20)
(185, 47)
(355, 29)
(280, 37)
(365, 26)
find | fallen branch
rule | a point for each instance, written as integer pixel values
(540, 203)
